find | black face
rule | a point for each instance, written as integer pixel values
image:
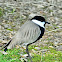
(40, 18)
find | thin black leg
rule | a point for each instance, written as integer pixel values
(28, 51)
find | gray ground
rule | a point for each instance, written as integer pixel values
(14, 13)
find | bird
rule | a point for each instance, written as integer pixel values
(30, 32)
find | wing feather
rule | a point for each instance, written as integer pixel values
(28, 33)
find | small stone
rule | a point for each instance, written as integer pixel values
(44, 50)
(23, 59)
(55, 43)
(17, 46)
(59, 48)
(4, 41)
(33, 51)
(6, 25)
(37, 48)
(1, 44)
(1, 40)
(51, 47)
(60, 11)
(56, 18)
(24, 47)
(32, 15)
(60, 44)
(45, 36)
(24, 56)
(0, 34)
(40, 6)
(4, 52)
(24, 17)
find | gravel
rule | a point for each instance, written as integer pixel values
(15, 13)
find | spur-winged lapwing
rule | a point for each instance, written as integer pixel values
(29, 33)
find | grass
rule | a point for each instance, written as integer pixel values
(53, 56)
(50, 56)
(12, 56)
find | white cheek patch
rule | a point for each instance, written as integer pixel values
(39, 23)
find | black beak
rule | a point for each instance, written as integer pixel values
(47, 22)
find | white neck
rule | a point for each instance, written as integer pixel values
(41, 24)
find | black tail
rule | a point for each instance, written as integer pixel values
(5, 47)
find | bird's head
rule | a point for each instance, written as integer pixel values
(39, 20)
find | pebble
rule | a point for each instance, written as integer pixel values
(38, 48)
(4, 41)
(24, 56)
(53, 14)
(60, 44)
(17, 46)
(59, 48)
(6, 25)
(23, 59)
(32, 15)
(55, 43)
(33, 51)
(24, 47)
(44, 50)
(1, 44)
(51, 47)
(4, 52)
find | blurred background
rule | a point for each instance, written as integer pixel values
(13, 13)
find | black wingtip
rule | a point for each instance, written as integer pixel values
(5, 49)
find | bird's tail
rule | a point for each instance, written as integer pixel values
(5, 47)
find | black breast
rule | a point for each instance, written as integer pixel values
(42, 32)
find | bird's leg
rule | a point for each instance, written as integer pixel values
(28, 51)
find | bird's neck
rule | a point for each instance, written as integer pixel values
(41, 24)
